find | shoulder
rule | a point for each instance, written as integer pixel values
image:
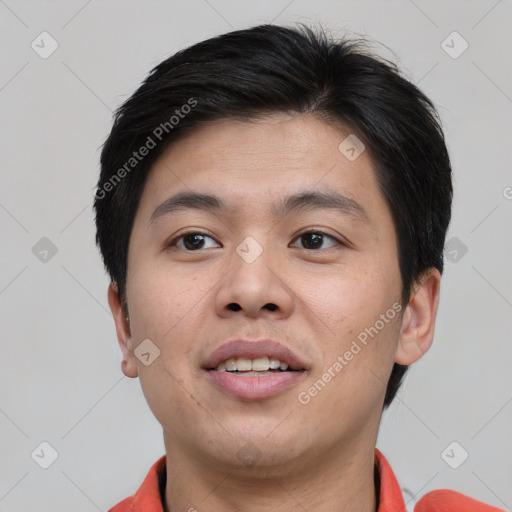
(124, 506)
(149, 497)
(445, 500)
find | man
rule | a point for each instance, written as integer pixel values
(272, 209)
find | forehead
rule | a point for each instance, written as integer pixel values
(260, 160)
(255, 144)
(280, 148)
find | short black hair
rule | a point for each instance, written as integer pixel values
(268, 69)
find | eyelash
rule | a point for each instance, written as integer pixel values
(176, 239)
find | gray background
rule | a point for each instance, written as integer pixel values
(60, 376)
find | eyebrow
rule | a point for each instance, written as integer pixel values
(301, 201)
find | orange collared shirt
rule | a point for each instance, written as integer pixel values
(149, 498)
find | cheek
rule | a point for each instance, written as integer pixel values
(348, 299)
(165, 300)
(360, 325)
(166, 309)
(353, 379)
(166, 391)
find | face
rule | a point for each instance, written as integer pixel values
(297, 247)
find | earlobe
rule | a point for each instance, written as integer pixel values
(418, 321)
(124, 337)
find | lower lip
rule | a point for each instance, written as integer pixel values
(255, 387)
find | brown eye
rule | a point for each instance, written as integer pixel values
(313, 240)
(191, 241)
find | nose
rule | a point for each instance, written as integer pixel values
(254, 286)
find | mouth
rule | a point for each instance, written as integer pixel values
(254, 370)
(250, 367)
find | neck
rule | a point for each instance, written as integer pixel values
(342, 480)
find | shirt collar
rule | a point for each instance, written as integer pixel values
(149, 496)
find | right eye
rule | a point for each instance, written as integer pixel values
(190, 241)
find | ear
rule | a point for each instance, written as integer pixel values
(418, 321)
(124, 336)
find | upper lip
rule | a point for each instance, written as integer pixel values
(253, 350)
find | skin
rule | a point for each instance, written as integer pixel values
(318, 456)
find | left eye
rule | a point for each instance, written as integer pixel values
(314, 239)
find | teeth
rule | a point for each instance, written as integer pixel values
(243, 364)
(261, 364)
(274, 364)
(230, 365)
